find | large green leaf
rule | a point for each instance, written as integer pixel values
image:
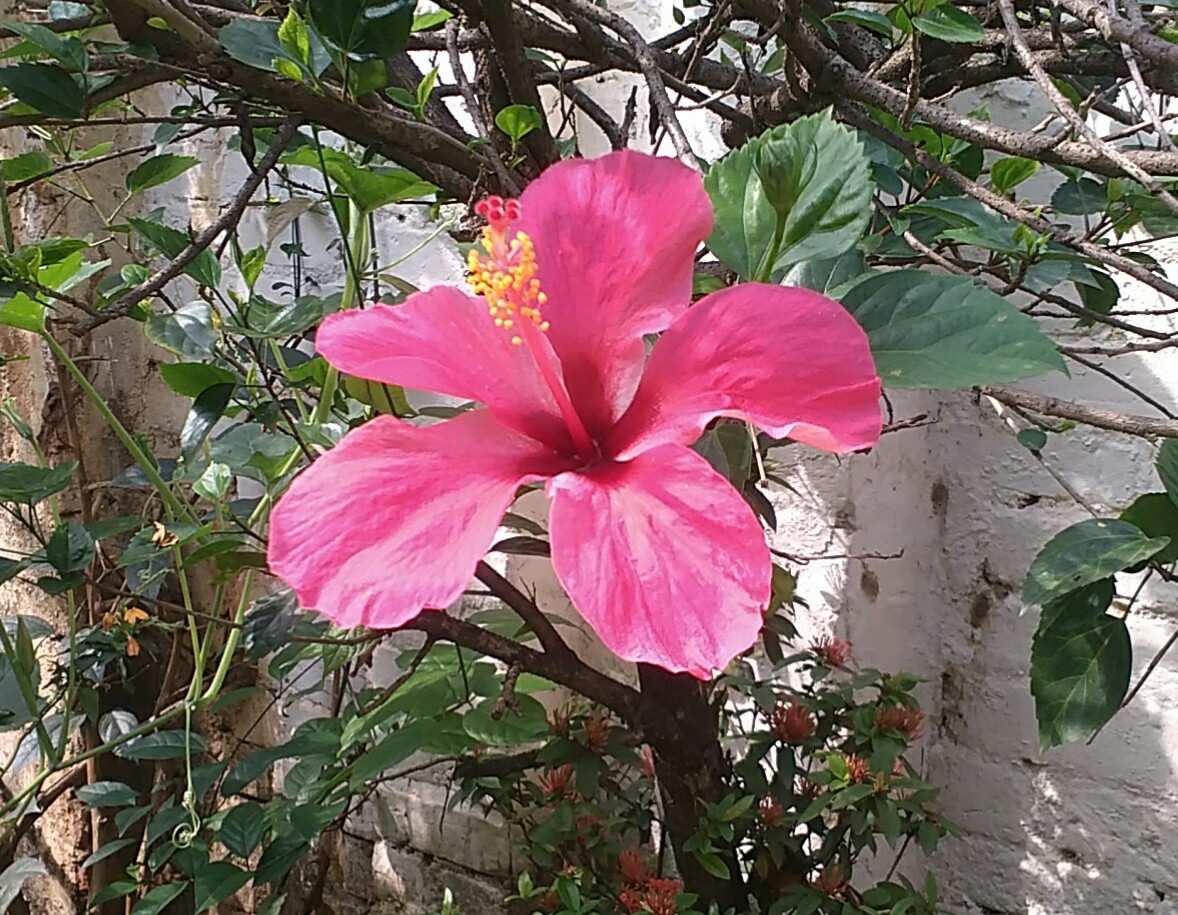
(1155, 515)
(1167, 466)
(204, 268)
(255, 42)
(928, 330)
(14, 877)
(187, 332)
(363, 28)
(1085, 553)
(67, 49)
(217, 881)
(816, 173)
(1081, 660)
(46, 87)
(28, 485)
(158, 899)
(243, 829)
(158, 170)
(370, 187)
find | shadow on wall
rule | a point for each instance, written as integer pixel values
(1078, 829)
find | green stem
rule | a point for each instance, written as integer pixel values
(210, 694)
(766, 271)
(174, 505)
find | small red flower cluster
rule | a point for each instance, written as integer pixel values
(831, 651)
(556, 784)
(597, 730)
(908, 721)
(831, 882)
(858, 769)
(771, 811)
(791, 723)
(559, 720)
(644, 892)
(656, 897)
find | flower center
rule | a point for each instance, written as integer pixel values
(505, 276)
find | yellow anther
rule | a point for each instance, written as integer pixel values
(506, 279)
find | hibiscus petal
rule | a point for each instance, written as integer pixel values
(396, 517)
(445, 341)
(615, 240)
(791, 361)
(663, 558)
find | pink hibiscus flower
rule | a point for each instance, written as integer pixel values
(658, 552)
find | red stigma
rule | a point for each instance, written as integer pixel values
(498, 212)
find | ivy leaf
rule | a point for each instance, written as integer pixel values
(1086, 553)
(929, 330)
(187, 332)
(1081, 659)
(163, 745)
(46, 87)
(108, 794)
(819, 179)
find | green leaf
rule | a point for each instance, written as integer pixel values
(206, 410)
(869, 19)
(369, 188)
(264, 319)
(256, 43)
(713, 864)
(106, 851)
(929, 330)
(820, 182)
(292, 35)
(729, 449)
(162, 745)
(1155, 515)
(831, 276)
(70, 549)
(517, 121)
(45, 87)
(253, 262)
(216, 882)
(243, 829)
(363, 28)
(432, 20)
(268, 623)
(28, 485)
(108, 794)
(26, 166)
(1034, 440)
(394, 749)
(384, 398)
(1085, 553)
(191, 379)
(214, 482)
(1081, 197)
(1081, 659)
(948, 23)
(1167, 467)
(1007, 174)
(204, 268)
(514, 726)
(187, 332)
(159, 899)
(13, 879)
(279, 857)
(68, 49)
(158, 170)
(23, 313)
